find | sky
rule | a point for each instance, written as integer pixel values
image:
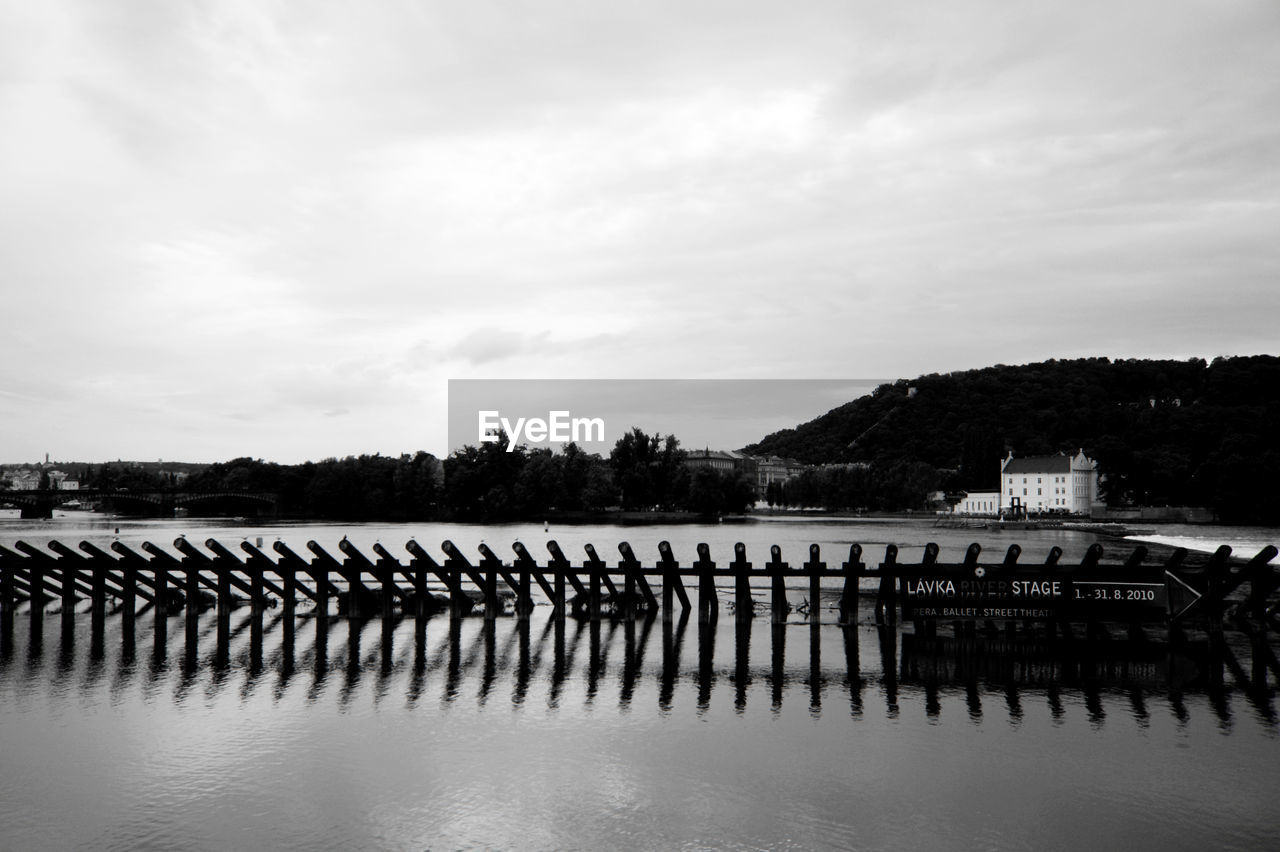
(278, 229)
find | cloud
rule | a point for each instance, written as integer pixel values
(246, 208)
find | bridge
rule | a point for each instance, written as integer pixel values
(40, 504)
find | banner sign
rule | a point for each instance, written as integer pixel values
(994, 592)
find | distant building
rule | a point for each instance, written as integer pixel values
(721, 460)
(770, 469)
(760, 471)
(60, 481)
(1058, 483)
(24, 479)
(978, 503)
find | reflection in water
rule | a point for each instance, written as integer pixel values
(542, 656)
(541, 733)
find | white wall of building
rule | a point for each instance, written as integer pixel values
(979, 503)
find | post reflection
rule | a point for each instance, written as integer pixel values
(542, 661)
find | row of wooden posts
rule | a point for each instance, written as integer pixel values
(384, 585)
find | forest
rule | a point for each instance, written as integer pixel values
(1177, 433)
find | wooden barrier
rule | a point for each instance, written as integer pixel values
(970, 591)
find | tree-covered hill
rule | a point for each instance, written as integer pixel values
(1163, 432)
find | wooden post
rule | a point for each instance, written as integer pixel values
(744, 607)
(708, 601)
(852, 573)
(887, 596)
(777, 572)
(629, 583)
(671, 577)
(635, 577)
(605, 579)
(6, 587)
(458, 565)
(564, 571)
(193, 608)
(524, 600)
(459, 604)
(520, 585)
(1216, 573)
(68, 586)
(555, 594)
(289, 580)
(595, 570)
(128, 584)
(422, 605)
(36, 573)
(1263, 579)
(815, 567)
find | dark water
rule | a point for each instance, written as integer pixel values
(336, 734)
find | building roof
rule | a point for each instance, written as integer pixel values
(1059, 463)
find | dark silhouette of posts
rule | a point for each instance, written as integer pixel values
(100, 567)
(595, 573)
(6, 588)
(36, 573)
(887, 596)
(744, 607)
(520, 585)
(815, 568)
(457, 564)
(853, 571)
(564, 571)
(529, 568)
(635, 580)
(422, 562)
(629, 568)
(777, 574)
(671, 582)
(708, 602)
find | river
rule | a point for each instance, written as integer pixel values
(521, 734)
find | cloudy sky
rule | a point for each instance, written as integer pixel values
(278, 229)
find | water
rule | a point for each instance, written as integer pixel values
(334, 734)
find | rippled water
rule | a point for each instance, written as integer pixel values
(334, 734)
(539, 734)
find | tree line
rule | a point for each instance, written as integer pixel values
(1178, 433)
(642, 473)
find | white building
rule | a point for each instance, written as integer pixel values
(24, 479)
(1058, 483)
(979, 503)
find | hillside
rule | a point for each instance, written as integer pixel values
(1163, 432)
